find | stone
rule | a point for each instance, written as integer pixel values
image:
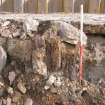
(6, 33)
(6, 23)
(51, 80)
(38, 62)
(17, 33)
(11, 76)
(3, 58)
(58, 82)
(20, 49)
(10, 90)
(30, 24)
(21, 87)
(23, 36)
(28, 101)
(9, 101)
(69, 33)
(4, 101)
(2, 90)
(17, 97)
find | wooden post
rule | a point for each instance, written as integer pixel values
(0, 5)
(68, 6)
(19, 6)
(32, 6)
(56, 6)
(93, 6)
(47, 5)
(6, 5)
(41, 6)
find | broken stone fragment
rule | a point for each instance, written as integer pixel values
(55, 79)
(3, 58)
(17, 33)
(39, 65)
(28, 101)
(21, 87)
(6, 33)
(9, 101)
(11, 76)
(6, 23)
(23, 36)
(30, 25)
(10, 90)
(51, 80)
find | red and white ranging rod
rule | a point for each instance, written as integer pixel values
(81, 44)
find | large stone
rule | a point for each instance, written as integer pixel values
(69, 33)
(20, 49)
(38, 61)
(3, 58)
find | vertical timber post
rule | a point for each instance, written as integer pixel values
(0, 5)
(47, 6)
(19, 6)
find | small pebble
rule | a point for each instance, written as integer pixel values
(10, 90)
(8, 101)
(11, 76)
(21, 87)
(28, 101)
(5, 23)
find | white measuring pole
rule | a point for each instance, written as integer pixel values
(81, 44)
(81, 24)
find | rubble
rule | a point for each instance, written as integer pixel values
(40, 64)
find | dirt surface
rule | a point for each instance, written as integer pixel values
(39, 63)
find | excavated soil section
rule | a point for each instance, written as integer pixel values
(41, 67)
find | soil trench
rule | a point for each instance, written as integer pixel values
(39, 64)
